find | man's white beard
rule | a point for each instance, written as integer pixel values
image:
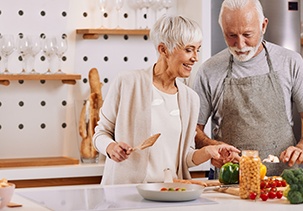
(245, 57)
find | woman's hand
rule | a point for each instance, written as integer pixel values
(118, 151)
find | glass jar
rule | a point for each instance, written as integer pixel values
(249, 173)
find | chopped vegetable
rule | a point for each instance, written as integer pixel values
(173, 189)
(294, 178)
(229, 173)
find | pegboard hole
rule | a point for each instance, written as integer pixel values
(85, 80)
(21, 103)
(20, 126)
(20, 12)
(64, 125)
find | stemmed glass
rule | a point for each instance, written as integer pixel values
(7, 48)
(24, 48)
(49, 51)
(35, 49)
(137, 6)
(167, 4)
(60, 49)
(118, 6)
(147, 4)
(102, 6)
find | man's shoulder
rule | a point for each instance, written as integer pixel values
(278, 50)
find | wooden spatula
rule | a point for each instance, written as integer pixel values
(148, 142)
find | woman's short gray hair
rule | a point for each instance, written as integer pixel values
(175, 31)
(239, 4)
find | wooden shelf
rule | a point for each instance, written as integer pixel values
(44, 161)
(65, 78)
(95, 33)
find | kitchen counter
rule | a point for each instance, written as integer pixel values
(125, 197)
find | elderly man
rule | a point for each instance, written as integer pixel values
(248, 89)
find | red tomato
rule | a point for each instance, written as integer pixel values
(283, 183)
(273, 184)
(263, 184)
(272, 194)
(278, 183)
(252, 195)
(274, 189)
(264, 196)
(279, 194)
(164, 189)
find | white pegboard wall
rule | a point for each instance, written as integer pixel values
(39, 119)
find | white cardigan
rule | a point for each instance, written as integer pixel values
(126, 116)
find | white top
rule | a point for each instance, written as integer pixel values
(165, 118)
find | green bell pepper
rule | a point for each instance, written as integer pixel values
(229, 173)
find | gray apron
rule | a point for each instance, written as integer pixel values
(254, 115)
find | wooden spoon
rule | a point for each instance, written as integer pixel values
(148, 142)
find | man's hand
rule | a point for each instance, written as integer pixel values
(292, 155)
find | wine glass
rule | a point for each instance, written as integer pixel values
(158, 6)
(147, 4)
(102, 5)
(7, 48)
(35, 49)
(24, 48)
(167, 4)
(49, 51)
(118, 6)
(138, 6)
(60, 49)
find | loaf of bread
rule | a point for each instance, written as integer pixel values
(89, 115)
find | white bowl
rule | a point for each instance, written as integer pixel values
(6, 194)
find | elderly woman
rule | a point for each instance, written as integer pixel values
(144, 102)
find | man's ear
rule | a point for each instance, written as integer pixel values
(264, 25)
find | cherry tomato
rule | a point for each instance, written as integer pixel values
(272, 184)
(274, 189)
(263, 184)
(283, 183)
(279, 194)
(264, 196)
(278, 183)
(252, 195)
(272, 194)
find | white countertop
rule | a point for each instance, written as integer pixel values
(221, 201)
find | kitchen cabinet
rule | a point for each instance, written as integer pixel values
(95, 33)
